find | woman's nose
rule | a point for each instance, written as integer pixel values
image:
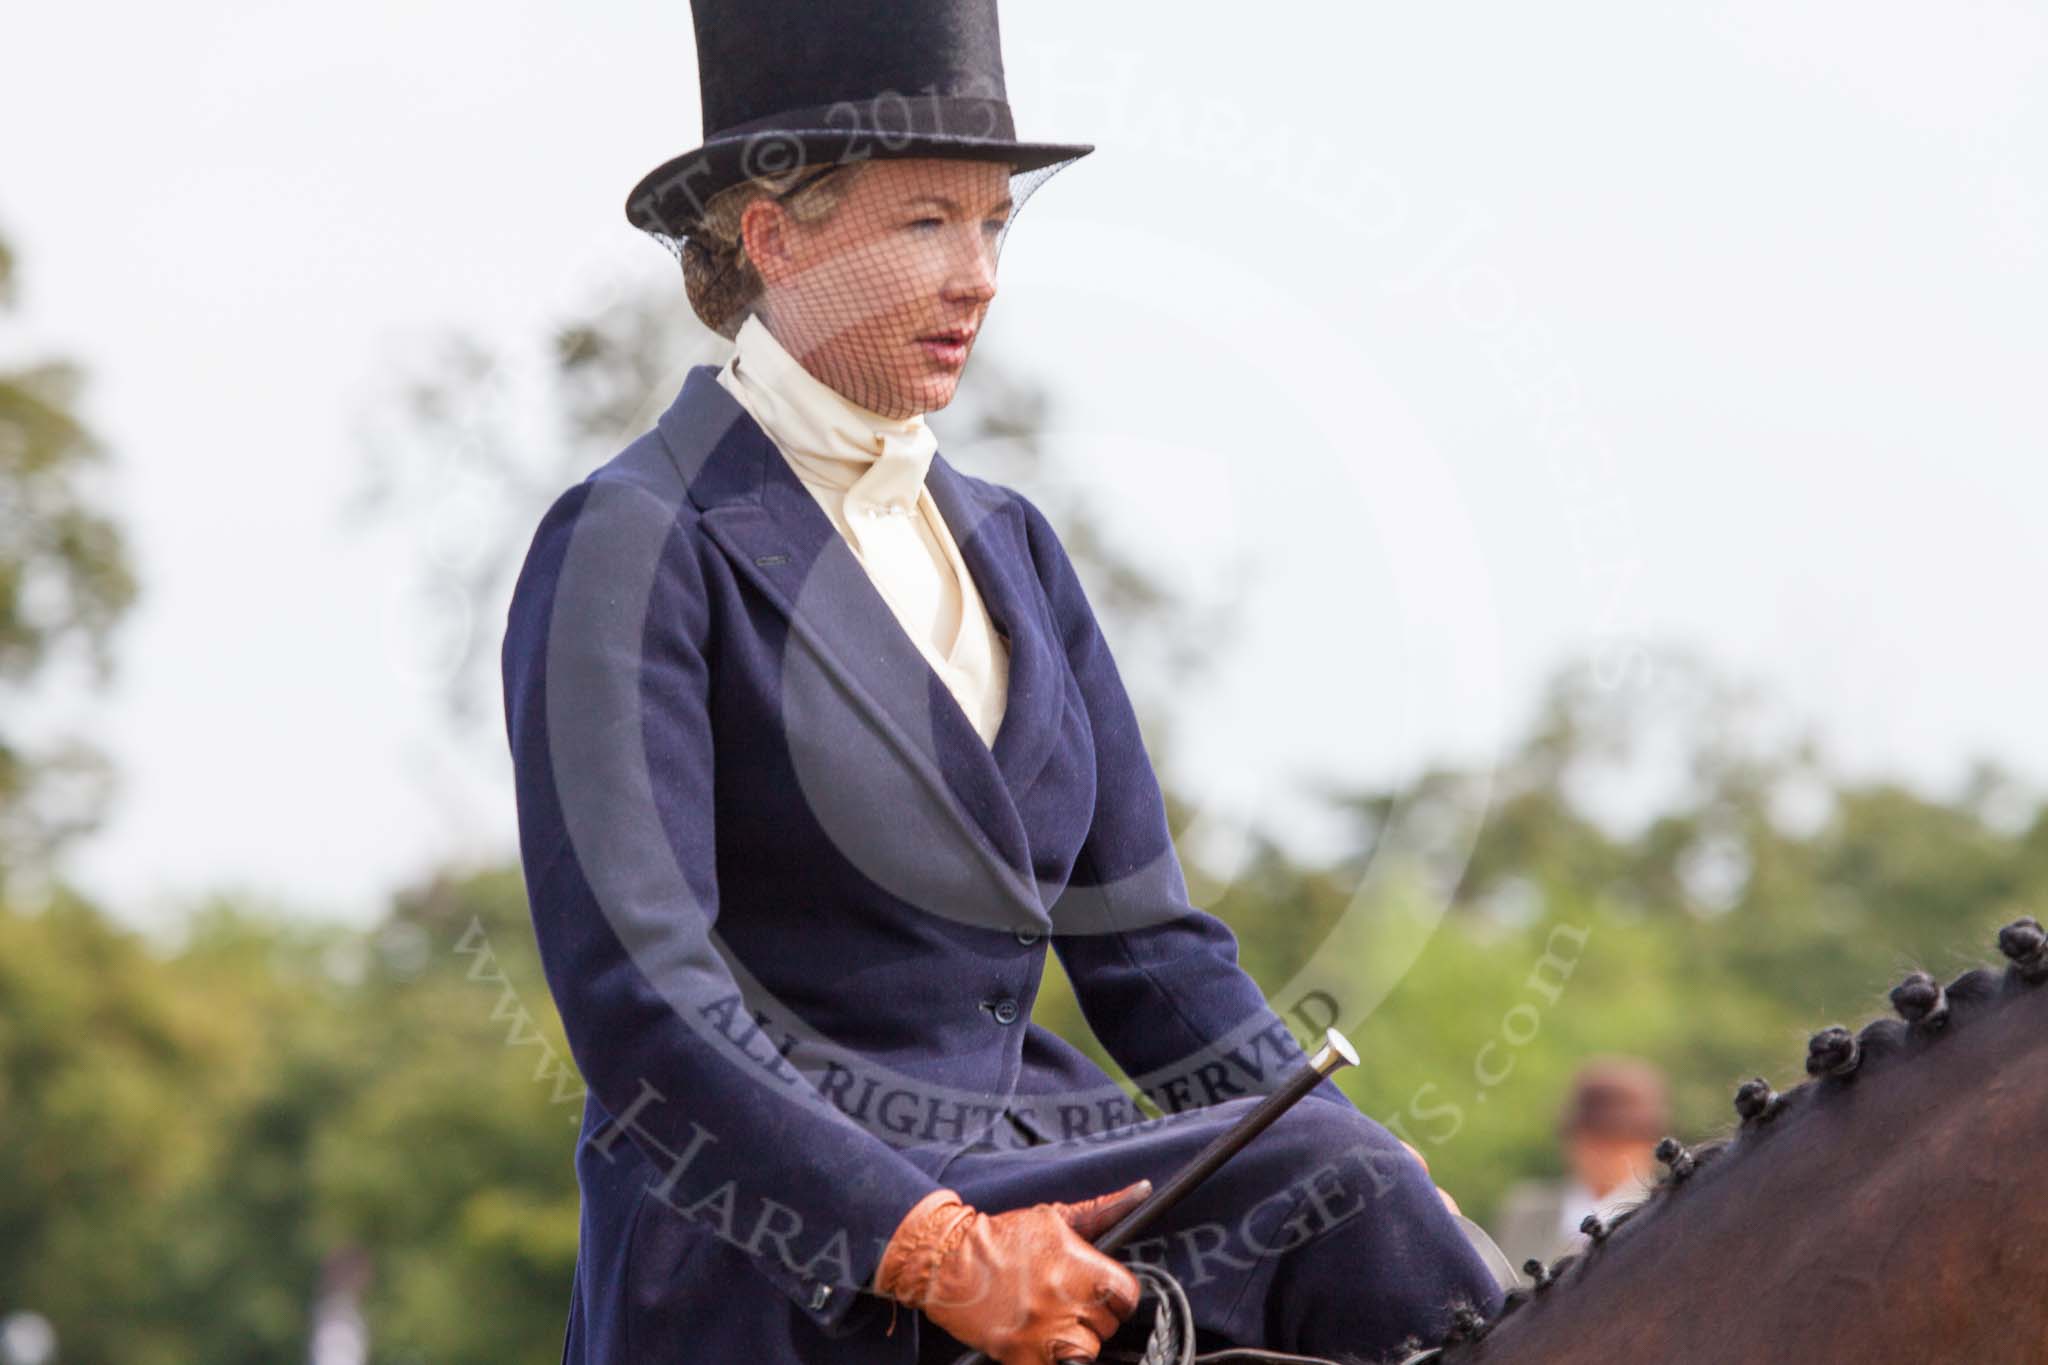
(974, 268)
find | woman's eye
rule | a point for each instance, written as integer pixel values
(929, 222)
(997, 223)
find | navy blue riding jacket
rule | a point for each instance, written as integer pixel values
(794, 911)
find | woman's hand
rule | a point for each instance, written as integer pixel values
(1441, 1192)
(1023, 1286)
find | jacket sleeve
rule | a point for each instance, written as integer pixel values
(1157, 978)
(607, 684)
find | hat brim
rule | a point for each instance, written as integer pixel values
(670, 199)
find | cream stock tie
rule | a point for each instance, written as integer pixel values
(867, 472)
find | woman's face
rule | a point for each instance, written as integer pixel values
(883, 299)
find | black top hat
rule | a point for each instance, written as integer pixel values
(790, 83)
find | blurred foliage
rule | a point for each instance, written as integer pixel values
(190, 1129)
(65, 582)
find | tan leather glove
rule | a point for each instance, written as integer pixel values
(1023, 1286)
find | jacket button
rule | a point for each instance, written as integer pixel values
(821, 1294)
(1027, 937)
(1006, 1011)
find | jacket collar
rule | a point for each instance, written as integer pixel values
(770, 526)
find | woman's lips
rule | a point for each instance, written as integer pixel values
(950, 351)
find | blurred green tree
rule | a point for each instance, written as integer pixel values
(65, 582)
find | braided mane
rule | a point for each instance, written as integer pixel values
(1835, 1059)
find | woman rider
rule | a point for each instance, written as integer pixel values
(818, 750)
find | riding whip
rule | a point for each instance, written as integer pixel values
(1335, 1054)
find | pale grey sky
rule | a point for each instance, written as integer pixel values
(1456, 339)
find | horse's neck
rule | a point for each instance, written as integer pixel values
(1894, 1215)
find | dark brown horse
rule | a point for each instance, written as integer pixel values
(1891, 1208)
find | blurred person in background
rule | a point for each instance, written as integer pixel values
(1615, 1114)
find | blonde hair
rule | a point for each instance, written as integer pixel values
(723, 285)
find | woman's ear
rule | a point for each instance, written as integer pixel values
(766, 232)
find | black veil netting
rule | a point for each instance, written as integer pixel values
(896, 249)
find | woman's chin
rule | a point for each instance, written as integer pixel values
(933, 392)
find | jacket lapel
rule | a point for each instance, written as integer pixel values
(760, 514)
(989, 529)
